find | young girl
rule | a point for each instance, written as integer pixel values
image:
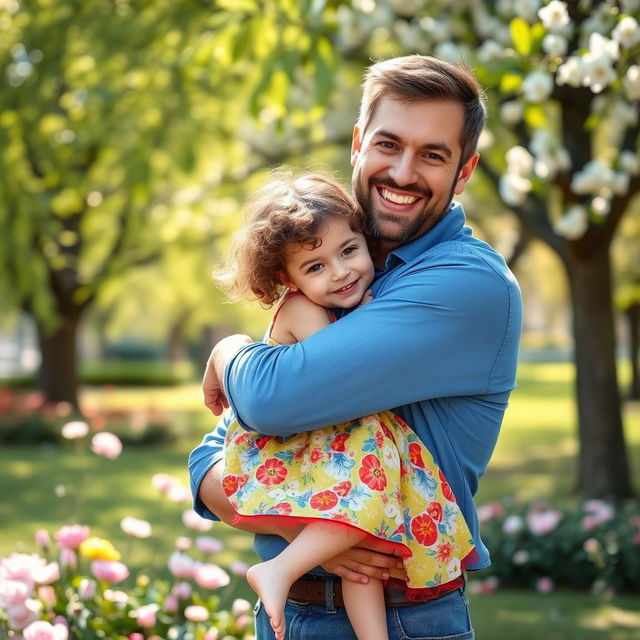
(303, 247)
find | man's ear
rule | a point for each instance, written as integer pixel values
(356, 143)
(287, 281)
(465, 173)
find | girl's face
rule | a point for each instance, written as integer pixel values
(337, 273)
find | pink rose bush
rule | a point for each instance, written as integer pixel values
(587, 545)
(80, 585)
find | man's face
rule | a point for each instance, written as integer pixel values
(406, 166)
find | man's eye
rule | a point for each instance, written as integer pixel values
(385, 144)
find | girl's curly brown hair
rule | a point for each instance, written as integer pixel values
(287, 210)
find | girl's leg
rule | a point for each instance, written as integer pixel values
(315, 544)
(365, 607)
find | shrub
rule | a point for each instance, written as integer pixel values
(587, 545)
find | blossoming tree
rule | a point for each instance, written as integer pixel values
(563, 83)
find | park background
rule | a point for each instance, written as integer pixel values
(130, 136)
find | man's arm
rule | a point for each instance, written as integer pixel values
(435, 332)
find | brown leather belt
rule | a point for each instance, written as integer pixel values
(327, 590)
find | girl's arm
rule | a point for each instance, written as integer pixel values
(297, 319)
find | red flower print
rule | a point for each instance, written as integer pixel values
(324, 500)
(386, 431)
(271, 472)
(341, 517)
(230, 485)
(446, 488)
(338, 442)
(444, 551)
(242, 439)
(434, 509)
(316, 455)
(282, 507)
(415, 455)
(424, 529)
(372, 474)
(379, 438)
(262, 441)
(343, 488)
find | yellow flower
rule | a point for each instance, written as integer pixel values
(98, 549)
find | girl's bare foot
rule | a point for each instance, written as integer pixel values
(272, 587)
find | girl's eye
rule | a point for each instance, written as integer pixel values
(350, 250)
(314, 267)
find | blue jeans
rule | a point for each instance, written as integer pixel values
(445, 618)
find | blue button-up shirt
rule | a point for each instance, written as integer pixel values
(438, 344)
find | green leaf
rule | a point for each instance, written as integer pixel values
(510, 82)
(521, 36)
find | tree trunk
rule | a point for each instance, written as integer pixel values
(633, 317)
(603, 468)
(58, 373)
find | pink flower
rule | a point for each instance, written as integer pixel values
(239, 568)
(207, 544)
(545, 585)
(179, 493)
(24, 614)
(163, 482)
(13, 592)
(542, 522)
(183, 543)
(47, 594)
(43, 539)
(86, 589)
(520, 557)
(210, 576)
(136, 636)
(182, 590)
(21, 566)
(146, 615)
(74, 430)
(591, 545)
(68, 558)
(48, 574)
(110, 571)
(136, 528)
(106, 444)
(42, 630)
(242, 622)
(181, 565)
(71, 536)
(212, 634)
(240, 606)
(170, 604)
(192, 520)
(196, 613)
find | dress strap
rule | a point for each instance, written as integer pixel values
(285, 296)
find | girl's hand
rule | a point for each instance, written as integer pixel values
(214, 396)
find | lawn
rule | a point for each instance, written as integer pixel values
(48, 486)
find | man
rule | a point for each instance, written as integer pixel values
(437, 344)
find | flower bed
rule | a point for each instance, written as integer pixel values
(587, 545)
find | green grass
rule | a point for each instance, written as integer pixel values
(535, 457)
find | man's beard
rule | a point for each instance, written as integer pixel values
(426, 219)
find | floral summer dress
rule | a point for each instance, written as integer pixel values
(373, 473)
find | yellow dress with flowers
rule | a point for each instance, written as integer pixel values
(373, 473)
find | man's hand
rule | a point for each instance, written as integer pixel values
(214, 396)
(358, 565)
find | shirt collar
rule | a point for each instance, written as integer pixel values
(448, 226)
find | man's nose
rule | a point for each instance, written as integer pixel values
(403, 170)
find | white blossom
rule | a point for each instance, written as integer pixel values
(598, 178)
(598, 71)
(519, 161)
(600, 21)
(627, 32)
(631, 83)
(555, 44)
(511, 112)
(571, 72)
(449, 51)
(513, 189)
(554, 16)
(599, 45)
(630, 6)
(573, 223)
(543, 142)
(537, 86)
(601, 205)
(624, 114)
(629, 162)
(490, 51)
